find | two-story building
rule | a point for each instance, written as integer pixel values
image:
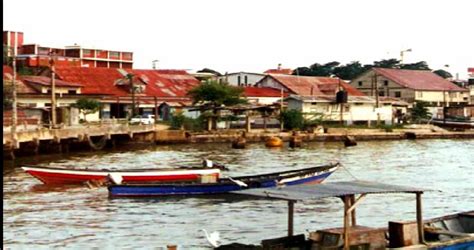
(411, 86)
(241, 79)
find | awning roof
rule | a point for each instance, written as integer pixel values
(331, 189)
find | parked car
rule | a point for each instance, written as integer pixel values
(143, 119)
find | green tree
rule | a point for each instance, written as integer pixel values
(87, 106)
(350, 70)
(216, 94)
(303, 71)
(422, 65)
(443, 73)
(420, 112)
(388, 63)
(292, 119)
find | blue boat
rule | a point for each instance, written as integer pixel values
(224, 185)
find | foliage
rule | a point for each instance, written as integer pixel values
(25, 71)
(292, 119)
(443, 73)
(350, 70)
(207, 70)
(7, 96)
(178, 121)
(317, 69)
(388, 63)
(87, 106)
(422, 65)
(216, 94)
(6, 59)
(420, 112)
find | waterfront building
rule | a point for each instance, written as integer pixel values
(411, 86)
(35, 55)
(357, 110)
(241, 79)
(159, 92)
(471, 85)
(264, 95)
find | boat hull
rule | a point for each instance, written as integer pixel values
(57, 176)
(148, 190)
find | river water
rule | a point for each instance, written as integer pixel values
(36, 216)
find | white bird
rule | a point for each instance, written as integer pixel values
(240, 183)
(213, 239)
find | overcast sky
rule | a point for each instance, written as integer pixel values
(246, 35)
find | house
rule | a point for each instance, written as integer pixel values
(357, 110)
(471, 85)
(307, 85)
(241, 78)
(411, 86)
(256, 95)
(151, 88)
(34, 97)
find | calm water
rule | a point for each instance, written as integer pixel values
(40, 217)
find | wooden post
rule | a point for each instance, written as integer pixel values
(247, 123)
(156, 109)
(419, 218)
(353, 213)
(291, 205)
(346, 222)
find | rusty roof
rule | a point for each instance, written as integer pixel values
(159, 83)
(263, 92)
(314, 85)
(332, 98)
(46, 81)
(279, 71)
(418, 79)
(325, 190)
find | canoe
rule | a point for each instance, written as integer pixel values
(223, 185)
(62, 176)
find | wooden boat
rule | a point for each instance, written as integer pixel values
(454, 231)
(61, 176)
(223, 185)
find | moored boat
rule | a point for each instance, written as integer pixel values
(224, 185)
(63, 176)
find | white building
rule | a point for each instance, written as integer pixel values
(241, 78)
(358, 109)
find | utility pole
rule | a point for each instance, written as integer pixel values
(53, 90)
(342, 104)
(14, 101)
(281, 108)
(377, 98)
(132, 86)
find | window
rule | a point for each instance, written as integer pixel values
(314, 103)
(419, 94)
(385, 83)
(382, 93)
(87, 52)
(398, 94)
(360, 83)
(72, 92)
(246, 80)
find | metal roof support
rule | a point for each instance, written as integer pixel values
(419, 218)
(346, 221)
(291, 205)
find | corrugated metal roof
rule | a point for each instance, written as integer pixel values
(279, 71)
(159, 83)
(418, 79)
(46, 81)
(263, 92)
(325, 190)
(314, 85)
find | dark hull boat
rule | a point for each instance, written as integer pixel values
(224, 185)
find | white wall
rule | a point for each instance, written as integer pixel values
(233, 78)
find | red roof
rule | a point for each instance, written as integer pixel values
(22, 88)
(418, 79)
(263, 92)
(159, 83)
(46, 81)
(471, 70)
(279, 71)
(8, 73)
(312, 85)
